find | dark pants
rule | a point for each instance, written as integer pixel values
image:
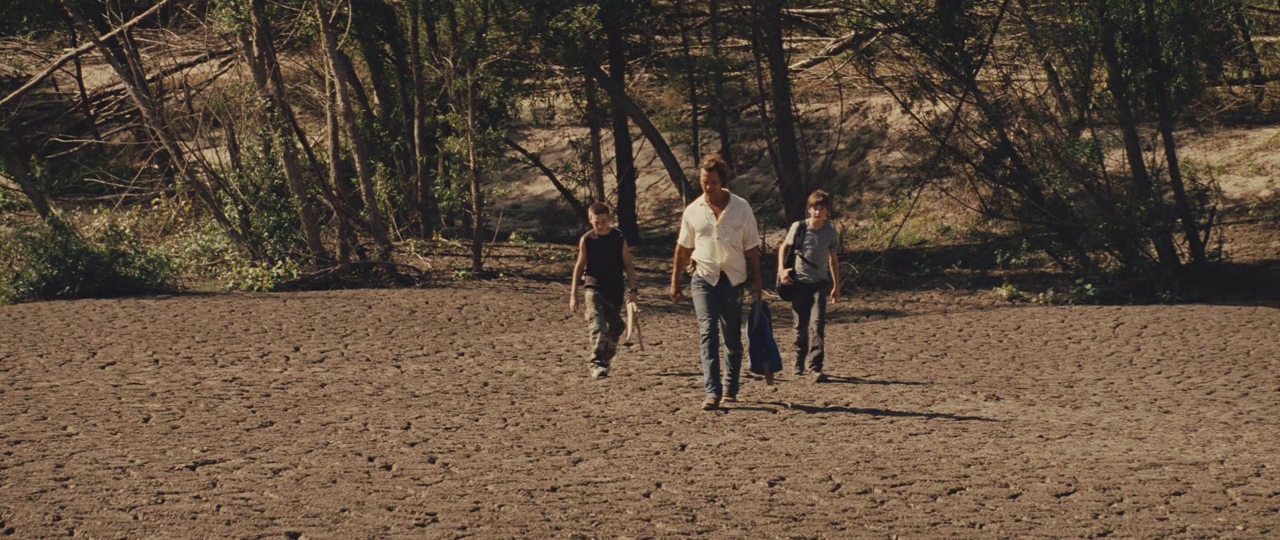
(809, 316)
(719, 309)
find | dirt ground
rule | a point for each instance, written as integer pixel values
(467, 412)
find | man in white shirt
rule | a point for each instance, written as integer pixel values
(719, 233)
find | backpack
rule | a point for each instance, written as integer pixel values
(787, 292)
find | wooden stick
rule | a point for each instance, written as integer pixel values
(633, 324)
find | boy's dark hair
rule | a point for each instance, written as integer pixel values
(597, 209)
(819, 198)
(715, 163)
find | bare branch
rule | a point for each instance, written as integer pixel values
(61, 61)
(837, 46)
(1260, 9)
(568, 196)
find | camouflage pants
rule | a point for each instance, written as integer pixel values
(605, 325)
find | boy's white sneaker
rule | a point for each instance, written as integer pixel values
(598, 372)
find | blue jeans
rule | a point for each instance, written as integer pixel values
(720, 303)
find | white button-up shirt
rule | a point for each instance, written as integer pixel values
(718, 244)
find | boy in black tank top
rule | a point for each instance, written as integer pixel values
(603, 258)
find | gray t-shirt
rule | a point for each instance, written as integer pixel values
(816, 246)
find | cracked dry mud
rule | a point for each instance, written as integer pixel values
(467, 412)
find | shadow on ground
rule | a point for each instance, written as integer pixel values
(775, 407)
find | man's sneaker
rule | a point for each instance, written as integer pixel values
(711, 404)
(819, 377)
(731, 399)
(599, 372)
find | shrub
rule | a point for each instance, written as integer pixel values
(11, 201)
(207, 253)
(261, 276)
(1008, 292)
(54, 262)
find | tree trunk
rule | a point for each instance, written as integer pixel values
(342, 205)
(74, 54)
(651, 133)
(593, 139)
(424, 184)
(380, 39)
(233, 139)
(85, 103)
(691, 81)
(17, 171)
(257, 52)
(1252, 60)
(1160, 87)
(625, 166)
(762, 101)
(790, 180)
(1046, 64)
(1143, 187)
(719, 110)
(477, 194)
(359, 152)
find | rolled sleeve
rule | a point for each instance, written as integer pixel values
(686, 238)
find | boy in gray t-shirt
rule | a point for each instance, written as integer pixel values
(817, 279)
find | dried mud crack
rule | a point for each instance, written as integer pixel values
(448, 413)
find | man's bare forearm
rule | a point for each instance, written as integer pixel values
(678, 262)
(753, 256)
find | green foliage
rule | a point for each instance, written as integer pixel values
(1082, 292)
(13, 201)
(204, 252)
(53, 262)
(261, 276)
(521, 239)
(1008, 292)
(261, 200)
(462, 273)
(229, 16)
(574, 35)
(207, 253)
(1266, 211)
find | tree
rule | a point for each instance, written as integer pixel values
(1035, 147)
(260, 55)
(124, 61)
(342, 76)
(790, 177)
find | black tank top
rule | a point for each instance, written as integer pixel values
(605, 269)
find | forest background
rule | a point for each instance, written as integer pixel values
(1093, 149)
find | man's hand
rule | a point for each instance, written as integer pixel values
(573, 302)
(757, 293)
(675, 292)
(635, 298)
(835, 295)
